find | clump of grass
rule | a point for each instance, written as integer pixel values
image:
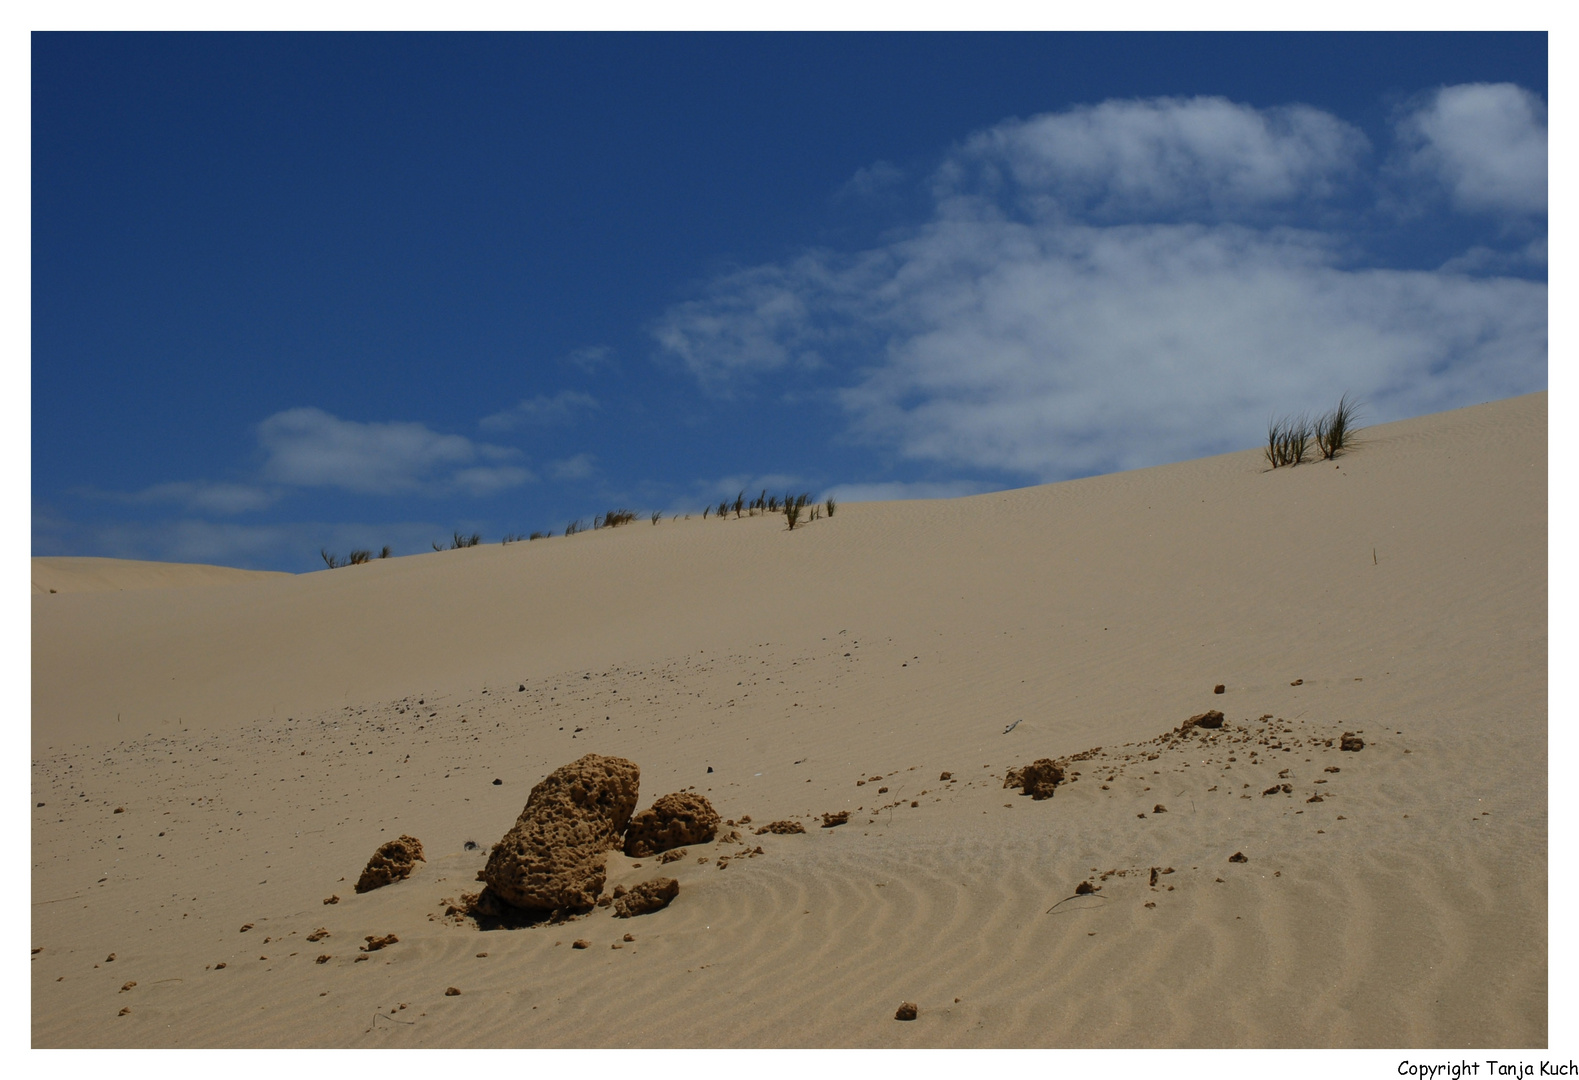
(1287, 441)
(794, 505)
(573, 528)
(536, 536)
(333, 562)
(360, 556)
(387, 552)
(740, 502)
(511, 538)
(829, 505)
(459, 541)
(613, 519)
(1334, 431)
(656, 516)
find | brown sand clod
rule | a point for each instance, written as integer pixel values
(1211, 718)
(324, 959)
(554, 857)
(647, 897)
(1351, 742)
(945, 777)
(831, 820)
(906, 1011)
(318, 934)
(677, 819)
(332, 899)
(581, 943)
(392, 862)
(1041, 777)
(1238, 856)
(782, 828)
(376, 943)
(1219, 689)
(450, 991)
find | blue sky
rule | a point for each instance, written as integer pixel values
(303, 291)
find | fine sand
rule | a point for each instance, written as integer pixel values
(215, 753)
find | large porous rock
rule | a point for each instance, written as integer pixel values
(390, 863)
(648, 896)
(554, 858)
(673, 821)
(1040, 777)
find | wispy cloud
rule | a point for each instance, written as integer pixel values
(200, 496)
(578, 467)
(1122, 285)
(540, 410)
(1484, 143)
(590, 358)
(308, 447)
(894, 490)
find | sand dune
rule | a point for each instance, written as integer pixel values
(60, 574)
(263, 736)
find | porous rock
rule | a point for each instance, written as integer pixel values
(1040, 777)
(1211, 718)
(392, 862)
(1014, 778)
(554, 857)
(906, 1011)
(649, 896)
(831, 820)
(675, 820)
(1351, 742)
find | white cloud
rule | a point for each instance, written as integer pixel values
(540, 409)
(590, 358)
(1485, 142)
(1049, 345)
(308, 447)
(1145, 156)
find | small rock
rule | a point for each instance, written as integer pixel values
(647, 897)
(497, 781)
(376, 943)
(581, 943)
(1297, 682)
(782, 828)
(945, 776)
(1238, 856)
(120, 809)
(318, 934)
(1159, 809)
(128, 1008)
(244, 929)
(450, 991)
(1351, 742)
(630, 937)
(219, 966)
(324, 959)
(830, 820)
(127, 987)
(1154, 872)
(392, 862)
(673, 856)
(1211, 718)
(906, 1011)
(1085, 888)
(1315, 798)
(332, 900)
(109, 958)
(1041, 777)
(1219, 689)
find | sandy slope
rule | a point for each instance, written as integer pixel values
(264, 736)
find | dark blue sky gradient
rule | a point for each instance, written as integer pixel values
(423, 228)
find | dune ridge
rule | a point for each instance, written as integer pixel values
(273, 732)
